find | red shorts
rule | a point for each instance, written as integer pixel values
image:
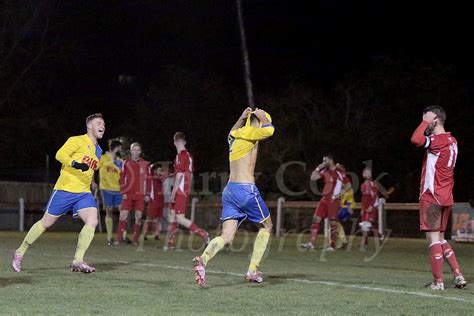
(179, 205)
(155, 209)
(434, 217)
(328, 208)
(133, 204)
(370, 216)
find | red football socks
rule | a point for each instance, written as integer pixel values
(145, 228)
(172, 229)
(314, 232)
(136, 232)
(120, 229)
(436, 261)
(450, 257)
(198, 231)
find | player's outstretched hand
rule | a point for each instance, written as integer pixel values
(81, 166)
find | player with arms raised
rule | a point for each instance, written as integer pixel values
(241, 199)
(436, 192)
(329, 204)
(80, 157)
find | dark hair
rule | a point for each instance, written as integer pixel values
(330, 156)
(439, 111)
(155, 166)
(179, 136)
(113, 143)
(93, 116)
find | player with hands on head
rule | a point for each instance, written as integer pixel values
(241, 198)
(436, 192)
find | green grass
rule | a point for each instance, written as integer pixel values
(156, 282)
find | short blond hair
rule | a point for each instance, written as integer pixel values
(179, 136)
(93, 116)
(135, 144)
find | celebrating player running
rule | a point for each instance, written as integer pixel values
(241, 199)
(80, 157)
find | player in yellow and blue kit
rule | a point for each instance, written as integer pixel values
(79, 157)
(109, 186)
(241, 199)
(347, 207)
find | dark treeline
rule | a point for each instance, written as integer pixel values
(366, 113)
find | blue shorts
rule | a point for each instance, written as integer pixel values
(242, 201)
(62, 202)
(344, 214)
(111, 198)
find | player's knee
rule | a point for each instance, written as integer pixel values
(46, 224)
(123, 215)
(108, 212)
(316, 219)
(268, 227)
(92, 221)
(181, 220)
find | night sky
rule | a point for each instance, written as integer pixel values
(307, 40)
(313, 43)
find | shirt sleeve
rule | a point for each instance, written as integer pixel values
(418, 137)
(375, 195)
(123, 176)
(253, 133)
(64, 154)
(148, 180)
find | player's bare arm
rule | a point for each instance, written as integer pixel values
(240, 122)
(315, 174)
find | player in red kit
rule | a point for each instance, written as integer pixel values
(436, 192)
(370, 203)
(329, 205)
(135, 189)
(183, 176)
(155, 207)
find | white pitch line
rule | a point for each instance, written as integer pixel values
(336, 284)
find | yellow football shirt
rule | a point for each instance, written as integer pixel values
(80, 149)
(109, 173)
(348, 197)
(243, 140)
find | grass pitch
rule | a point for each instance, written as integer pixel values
(151, 281)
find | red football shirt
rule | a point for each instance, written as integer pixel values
(332, 183)
(437, 175)
(135, 178)
(183, 163)
(370, 194)
(156, 193)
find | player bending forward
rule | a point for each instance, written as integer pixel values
(241, 199)
(80, 157)
(436, 192)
